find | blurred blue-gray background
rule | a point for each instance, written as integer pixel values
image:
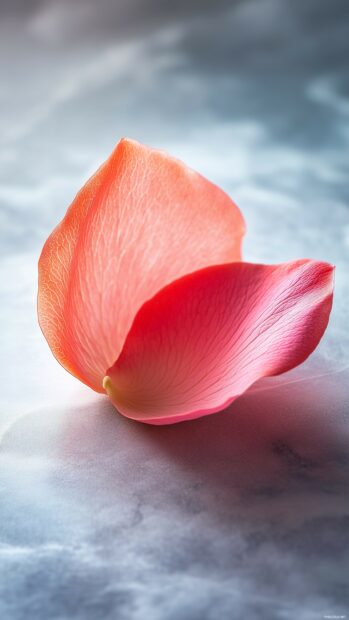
(254, 95)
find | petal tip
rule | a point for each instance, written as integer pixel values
(328, 271)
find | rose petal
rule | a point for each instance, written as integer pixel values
(143, 220)
(204, 339)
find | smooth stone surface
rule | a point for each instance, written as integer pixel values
(244, 513)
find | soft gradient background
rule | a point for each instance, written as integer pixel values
(245, 513)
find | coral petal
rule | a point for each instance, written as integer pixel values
(204, 339)
(143, 220)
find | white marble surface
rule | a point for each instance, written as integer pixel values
(244, 513)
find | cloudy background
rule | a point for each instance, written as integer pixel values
(242, 514)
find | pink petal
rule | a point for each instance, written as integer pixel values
(143, 220)
(205, 338)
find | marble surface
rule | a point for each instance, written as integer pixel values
(241, 514)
